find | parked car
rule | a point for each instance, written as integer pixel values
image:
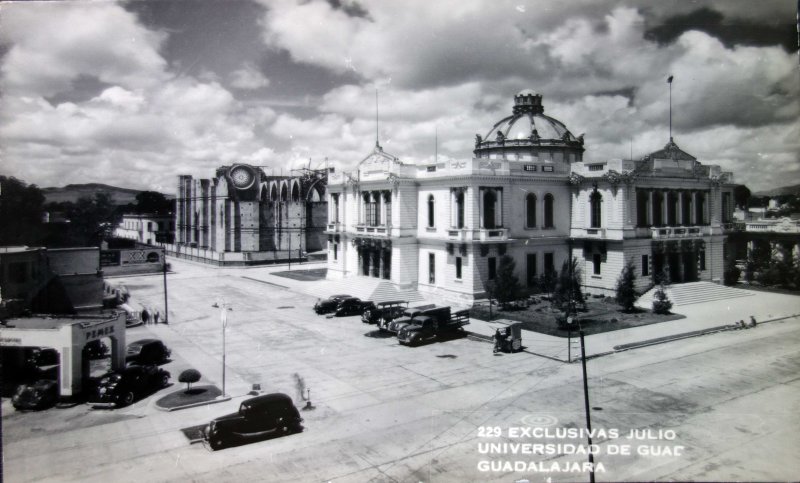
(350, 306)
(330, 304)
(148, 351)
(26, 365)
(258, 418)
(42, 394)
(121, 388)
(383, 312)
(95, 349)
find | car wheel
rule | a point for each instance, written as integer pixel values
(216, 443)
(164, 380)
(127, 398)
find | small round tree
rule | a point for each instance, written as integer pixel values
(189, 376)
(626, 289)
(661, 302)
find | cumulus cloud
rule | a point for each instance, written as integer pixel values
(248, 77)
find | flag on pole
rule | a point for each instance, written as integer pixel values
(669, 80)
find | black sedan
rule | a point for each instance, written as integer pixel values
(147, 351)
(351, 306)
(121, 388)
(330, 304)
(258, 418)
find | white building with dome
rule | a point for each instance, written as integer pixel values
(441, 228)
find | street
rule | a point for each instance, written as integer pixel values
(385, 412)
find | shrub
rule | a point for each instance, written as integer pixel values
(506, 285)
(568, 286)
(626, 292)
(188, 377)
(661, 302)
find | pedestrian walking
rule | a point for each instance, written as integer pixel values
(146, 316)
(156, 317)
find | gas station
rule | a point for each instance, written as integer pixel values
(68, 335)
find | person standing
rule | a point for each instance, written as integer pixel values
(156, 317)
(146, 316)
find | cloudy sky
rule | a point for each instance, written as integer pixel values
(134, 93)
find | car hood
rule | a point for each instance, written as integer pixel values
(228, 417)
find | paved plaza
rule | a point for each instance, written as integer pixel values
(720, 407)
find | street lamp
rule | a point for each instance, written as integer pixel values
(223, 307)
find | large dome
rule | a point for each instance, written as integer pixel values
(526, 127)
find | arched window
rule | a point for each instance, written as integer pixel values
(595, 203)
(530, 210)
(548, 210)
(431, 211)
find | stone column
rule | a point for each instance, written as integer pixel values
(649, 220)
(499, 209)
(665, 208)
(679, 210)
(381, 208)
(480, 207)
(693, 211)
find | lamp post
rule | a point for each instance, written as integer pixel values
(223, 307)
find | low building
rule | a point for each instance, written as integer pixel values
(243, 216)
(60, 280)
(149, 229)
(68, 336)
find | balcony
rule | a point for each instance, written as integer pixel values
(457, 234)
(379, 231)
(491, 234)
(672, 232)
(589, 232)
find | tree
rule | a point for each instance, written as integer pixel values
(21, 210)
(506, 285)
(661, 302)
(153, 202)
(93, 219)
(189, 377)
(626, 289)
(741, 196)
(568, 293)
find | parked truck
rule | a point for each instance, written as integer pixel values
(411, 313)
(433, 326)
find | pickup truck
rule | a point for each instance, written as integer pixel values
(411, 313)
(383, 312)
(426, 328)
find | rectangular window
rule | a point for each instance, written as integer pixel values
(702, 255)
(595, 167)
(549, 263)
(596, 260)
(492, 267)
(458, 268)
(547, 169)
(531, 269)
(529, 167)
(388, 206)
(335, 251)
(431, 169)
(431, 268)
(645, 265)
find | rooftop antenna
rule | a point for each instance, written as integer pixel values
(377, 144)
(669, 81)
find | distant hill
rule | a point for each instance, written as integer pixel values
(785, 190)
(72, 192)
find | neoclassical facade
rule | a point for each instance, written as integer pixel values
(441, 227)
(243, 216)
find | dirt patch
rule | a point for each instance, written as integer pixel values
(304, 275)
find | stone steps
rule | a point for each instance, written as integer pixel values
(693, 293)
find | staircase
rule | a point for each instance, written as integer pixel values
(365, 288)
(693, 293)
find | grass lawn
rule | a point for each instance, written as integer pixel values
(304, 275)
(601, 315)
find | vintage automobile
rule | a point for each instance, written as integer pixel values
(350, 306)
(330, 304)
(147, 351)
(383, 312)
(410, 314)
(42, 394)
(121, 388)
(258, 418)
(438, 325)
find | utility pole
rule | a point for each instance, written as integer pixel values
(586, 404)
(224, 307)
(166, 306)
